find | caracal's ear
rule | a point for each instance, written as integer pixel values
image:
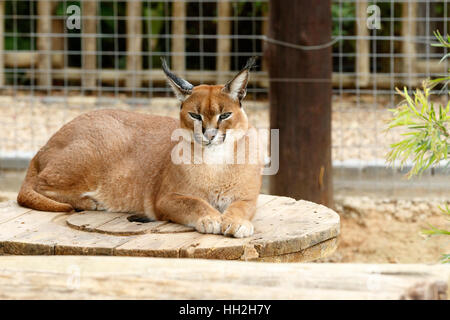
(180, 87)
(237, 87)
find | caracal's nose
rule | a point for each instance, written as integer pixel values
(210, 134)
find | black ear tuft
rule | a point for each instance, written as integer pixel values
(181, 87)
(251, 63)
(237, 87)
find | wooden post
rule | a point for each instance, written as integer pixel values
(58, 43)
(362, 45)
(178, 41)
(134, 44)
(265, 83)
(89, 44)
(44, 44)
(2, 43)
(409, 28)
(300, 98)
(265, 32)
(223, 62)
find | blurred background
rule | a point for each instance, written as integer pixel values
(62, 58)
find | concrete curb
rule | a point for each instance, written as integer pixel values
(347, 168)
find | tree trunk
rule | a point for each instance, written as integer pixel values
(43, 43)
(300, 98)
(89, 44)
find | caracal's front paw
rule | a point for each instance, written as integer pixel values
(209, 224)
(238, 228)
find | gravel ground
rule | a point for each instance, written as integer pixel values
(27, 122)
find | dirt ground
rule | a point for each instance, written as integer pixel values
(379, 238)
(381, 241)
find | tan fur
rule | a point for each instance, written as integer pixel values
(121, 161)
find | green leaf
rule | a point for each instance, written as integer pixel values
(426, 140)
(445, 258)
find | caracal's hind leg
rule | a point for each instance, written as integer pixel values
(63, 186)
(75, 199)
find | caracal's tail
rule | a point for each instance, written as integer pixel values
(28, 197)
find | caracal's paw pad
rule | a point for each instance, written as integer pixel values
(238, 228)
(209, 224)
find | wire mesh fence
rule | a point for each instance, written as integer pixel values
(61, 58)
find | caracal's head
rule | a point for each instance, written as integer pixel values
(212, 113)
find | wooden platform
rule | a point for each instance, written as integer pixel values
(285, 231)
(81, 277)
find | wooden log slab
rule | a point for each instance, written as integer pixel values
(285, 231)
(81, 277)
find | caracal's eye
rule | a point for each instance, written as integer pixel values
(195, 116)
(225, 116)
